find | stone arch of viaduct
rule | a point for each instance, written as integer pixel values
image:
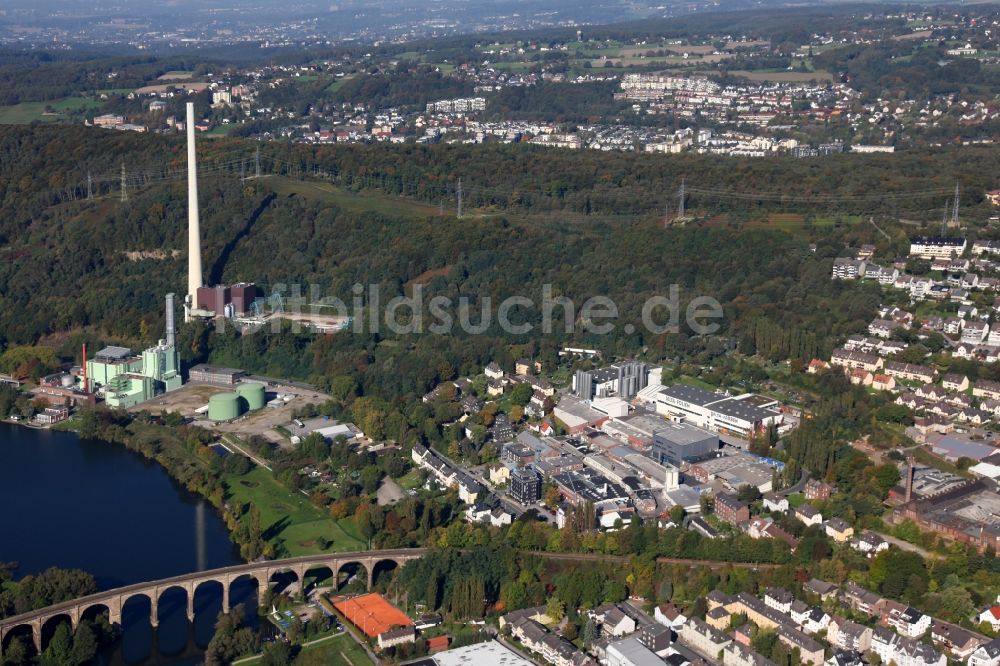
(113, 601)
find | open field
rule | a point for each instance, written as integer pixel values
(196, 86)
(341, 650)
(28, 112)
(290, 520)
(783, 76)
(376, 203)
(338, 649)
(707, 59)
(175, 75)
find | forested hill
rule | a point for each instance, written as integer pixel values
(99, 268)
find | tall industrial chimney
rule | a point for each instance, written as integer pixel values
(194, 226)
(171, 327)
(909, 479)
(86, 380)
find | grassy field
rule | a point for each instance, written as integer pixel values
(289, 520)
(28, 112)
(339, 650)
(410, 480)
(783, 76)
(371, 202)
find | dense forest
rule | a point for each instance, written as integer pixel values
(113, 262)
(248, 236)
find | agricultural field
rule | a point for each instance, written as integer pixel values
(29, 112)
(784, 76)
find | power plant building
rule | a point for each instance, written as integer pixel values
(227, 301)
(126, 380)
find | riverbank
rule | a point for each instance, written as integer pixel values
(284, 522)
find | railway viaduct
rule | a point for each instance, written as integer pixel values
(112, 601)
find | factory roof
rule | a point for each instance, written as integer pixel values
(682, 433)
(113, 353)
(746, 407)
(692, 394)
(635, 652)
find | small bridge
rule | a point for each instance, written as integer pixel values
(112, 601)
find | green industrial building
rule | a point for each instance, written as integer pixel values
(126, 380)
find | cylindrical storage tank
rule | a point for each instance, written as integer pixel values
(224, 407)
(253, 393)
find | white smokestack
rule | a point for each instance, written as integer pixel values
(194, 226)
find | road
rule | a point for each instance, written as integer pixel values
(596, 557)
(911, 547)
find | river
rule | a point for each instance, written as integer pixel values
(84, 504)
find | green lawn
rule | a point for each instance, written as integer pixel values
(795, 500)
(410, 480)
(295, 525)
(27, 112)
(339, 650)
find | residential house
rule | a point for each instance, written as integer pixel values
(818, 490)
(737, 654)
(882, 382)
(810, 650)
(493, 371)
(775, 502)
(986, 389)
(808, 515)
(704, 639)
(869, 543)
(853, 360)
(613, 620)
(669, 615)
(656, 638)
(958, 642)
(730, 509)
(718, 618)
(838, 529)
(397, 636)
(975, 332)
(847, 658)
(955, 382)
(908, 621)
(903, 651)
(815, 621)
(779, 599)
(848, 635)
(991, 616)
(987, 654)
(862, 600)
(820, 588)
(909, 371)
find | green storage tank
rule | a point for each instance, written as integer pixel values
(253, 393)
(224, 407)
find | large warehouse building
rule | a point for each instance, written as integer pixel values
(678, 442)
(741, 415)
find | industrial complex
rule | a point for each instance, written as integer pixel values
(124, 379)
